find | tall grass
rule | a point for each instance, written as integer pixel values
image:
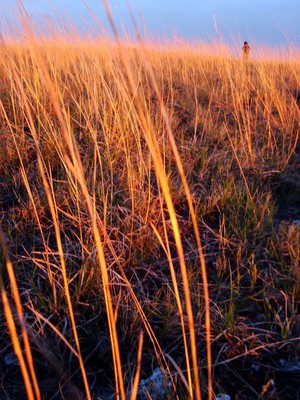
(141, 199)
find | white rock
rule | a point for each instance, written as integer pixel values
(155, 386)
(222, 396)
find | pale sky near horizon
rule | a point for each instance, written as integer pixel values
(266, 22)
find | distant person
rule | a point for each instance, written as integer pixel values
(246, 51)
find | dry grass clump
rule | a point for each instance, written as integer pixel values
(113, 160)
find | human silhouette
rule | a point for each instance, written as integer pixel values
(246, 51)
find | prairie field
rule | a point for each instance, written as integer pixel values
(150, 219)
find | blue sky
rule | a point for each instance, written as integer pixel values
(267, 22)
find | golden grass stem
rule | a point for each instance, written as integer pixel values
(27, 369)
(135, 387)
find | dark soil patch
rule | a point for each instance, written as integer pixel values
(286, 189)
(244, 381)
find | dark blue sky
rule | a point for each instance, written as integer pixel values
(267, 22)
